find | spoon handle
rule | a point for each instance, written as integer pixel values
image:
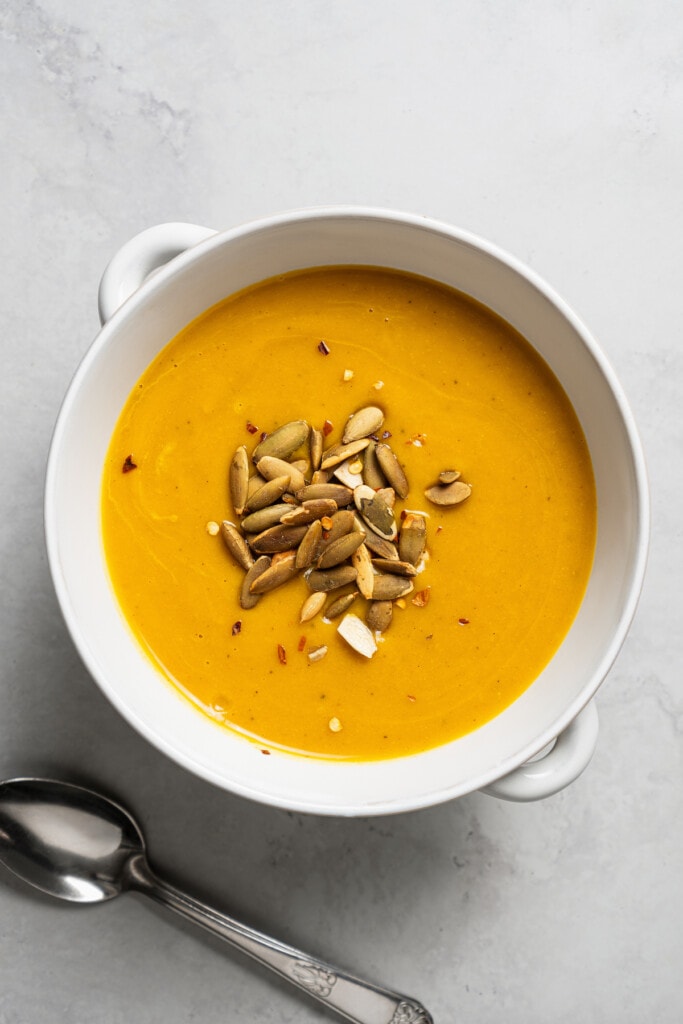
(353, 998)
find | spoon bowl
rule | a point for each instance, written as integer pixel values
(80, 846)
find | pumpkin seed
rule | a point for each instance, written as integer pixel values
(271, 491)
(389, 588)
(312, 605)
(341, 452)
(448, 494)
(412, 538)
(448, 476)
(375, 512)
(309, 548)
(342, 495)
(278, 538)
(340, 605)
(362, 563)
(247, 599)
(277, 573)
(330, 579)
(392, 469)
(339, 550)
(264, 517)
(315, 448)
(379, 615)
(238, 479)
(380, 547)
(394, 567)
(388, 496)
(342, 523)
(362, 423)
(308, 511)
(236, 544)
(272, 468)
(255, 481)
(372, 472)
(284, 441)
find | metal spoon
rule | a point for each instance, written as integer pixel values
(80, 846)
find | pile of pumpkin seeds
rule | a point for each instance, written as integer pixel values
(331, 517)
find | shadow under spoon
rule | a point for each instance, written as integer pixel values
(78, 845)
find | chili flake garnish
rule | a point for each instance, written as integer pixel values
(324, 348)
(237, 627)
(421, 599)
(301, 644)
(411, 698)
(128, 464)
(328, 427)
(267, 752)
(251, 428)
(463, 622)
(282, 654)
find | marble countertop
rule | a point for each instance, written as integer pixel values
(554, 130)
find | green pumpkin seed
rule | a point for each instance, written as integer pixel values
(375, 512)
(275, 575)
(271, 492)
(372, 472)
(340, 605)
(309, 547)
(278, 538)
(330, 579)
(390, 588)
(284, 441)
(392, 469)
(258, 521)
(412, 538)
(379, 615)
(394, 567)
(339, 550)
(308, 511)
(236, 544)
(342, 495)
(247, 599)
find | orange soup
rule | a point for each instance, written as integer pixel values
(503, 572)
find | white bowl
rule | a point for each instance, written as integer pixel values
(156, 307)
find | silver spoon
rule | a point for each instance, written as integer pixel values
(80, 846)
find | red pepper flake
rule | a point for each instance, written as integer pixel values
(328, 427)
(463, 622)
(263, 436)
(237, 627)
(128, 464)
(439, 529)
(251, 428)
(267, 752)
(324, 348)
(421, 599)
(411, 698)
(302, 643)
(281, 654)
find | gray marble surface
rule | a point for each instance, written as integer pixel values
(556, 131)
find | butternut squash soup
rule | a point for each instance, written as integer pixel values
(349, 512)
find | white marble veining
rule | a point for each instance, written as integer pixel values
(555, 131)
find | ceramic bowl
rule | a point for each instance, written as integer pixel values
(153, 287)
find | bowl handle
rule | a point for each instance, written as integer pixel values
(138, 258)
(568, 757)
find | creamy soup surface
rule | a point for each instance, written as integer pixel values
(505, 570)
